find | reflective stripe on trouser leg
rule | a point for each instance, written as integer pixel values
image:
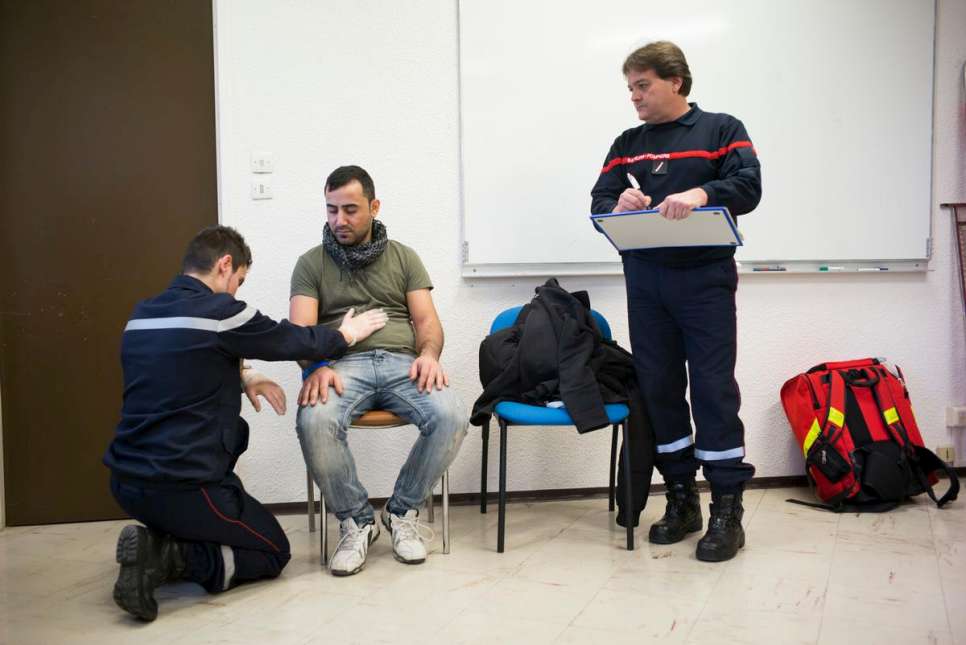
(702, 300)
(229, 558)
(718, 455)
(659, 361)
(675, 460)
(674, 446)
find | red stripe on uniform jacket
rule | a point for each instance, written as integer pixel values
(684, 154)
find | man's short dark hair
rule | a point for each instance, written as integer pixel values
(213, 243)
(344, 175)
(665, 58)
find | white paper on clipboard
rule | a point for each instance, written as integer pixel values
(707, 226)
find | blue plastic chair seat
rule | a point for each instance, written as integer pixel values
(521, 414)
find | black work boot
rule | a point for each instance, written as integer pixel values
(681, 516)
(725, 535)
(148, 559)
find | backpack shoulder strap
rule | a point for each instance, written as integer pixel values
(926, 461)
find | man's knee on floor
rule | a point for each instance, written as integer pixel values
(282, 558)
(280, 555)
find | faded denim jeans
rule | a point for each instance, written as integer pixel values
(379, 380)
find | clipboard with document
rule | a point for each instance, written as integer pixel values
(706, 226)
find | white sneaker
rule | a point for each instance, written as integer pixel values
(407, 543)
(350, 552)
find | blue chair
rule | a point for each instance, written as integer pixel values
(511, 413)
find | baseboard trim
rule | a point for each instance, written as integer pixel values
(560, 494)
(545, 495)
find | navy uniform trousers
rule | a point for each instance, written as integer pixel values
(206, 518)
(684, 315)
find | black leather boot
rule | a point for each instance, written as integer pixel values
(681, 516)
(725, 535)
(148, 559)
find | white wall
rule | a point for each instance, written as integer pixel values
(375, 83)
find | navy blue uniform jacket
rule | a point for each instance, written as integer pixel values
(180, 423)
(699, 150)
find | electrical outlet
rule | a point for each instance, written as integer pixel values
(261, 190)
(947, 454)
(956, 416)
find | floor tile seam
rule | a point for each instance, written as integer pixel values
(580, 613)
(754, 512)
(828, 579)
(528, 619)
(939, 571)
(306, 631)
(481, 589)
(883, 593)
(602, 630)
(336, 617)
(707, 600)
(538, 549)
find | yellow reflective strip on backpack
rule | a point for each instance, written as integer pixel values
(891, 416)
(812, 435)
(836, 417)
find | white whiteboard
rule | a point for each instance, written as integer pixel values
(836, 95)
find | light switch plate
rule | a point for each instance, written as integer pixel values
(262, 162)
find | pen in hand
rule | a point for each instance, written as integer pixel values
(634, 183)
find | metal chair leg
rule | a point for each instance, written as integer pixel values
(613, 469)
(310, 485)
(324, 542)
(445, 504)
(430, 510)
(483, 473)
(501, 527)
(628, 509)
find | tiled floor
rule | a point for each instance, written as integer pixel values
(806, 576)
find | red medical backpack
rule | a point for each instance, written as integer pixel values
(862, 447)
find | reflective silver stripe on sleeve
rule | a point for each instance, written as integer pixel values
(717, 455)
(177, 322)
(187, 322)
(674, 446)
(238, 319)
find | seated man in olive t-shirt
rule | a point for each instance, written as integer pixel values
(396, 369)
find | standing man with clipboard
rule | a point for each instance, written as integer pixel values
(681, 301)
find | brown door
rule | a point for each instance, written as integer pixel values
(107, 168)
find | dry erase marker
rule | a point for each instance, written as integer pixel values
(828, 268)
(763, 269)
(873, 268)
(631, 178)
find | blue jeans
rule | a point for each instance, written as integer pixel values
(379, 380)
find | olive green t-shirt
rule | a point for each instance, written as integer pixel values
(384, 283)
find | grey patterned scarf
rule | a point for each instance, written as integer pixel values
(353, 258)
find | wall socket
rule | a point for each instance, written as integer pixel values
(956, 416)
(947, 454)
(261, 190)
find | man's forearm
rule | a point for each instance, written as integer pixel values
(429, 339)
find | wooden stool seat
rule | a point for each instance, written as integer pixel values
(377, 419)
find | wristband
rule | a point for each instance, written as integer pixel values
(307, 372)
